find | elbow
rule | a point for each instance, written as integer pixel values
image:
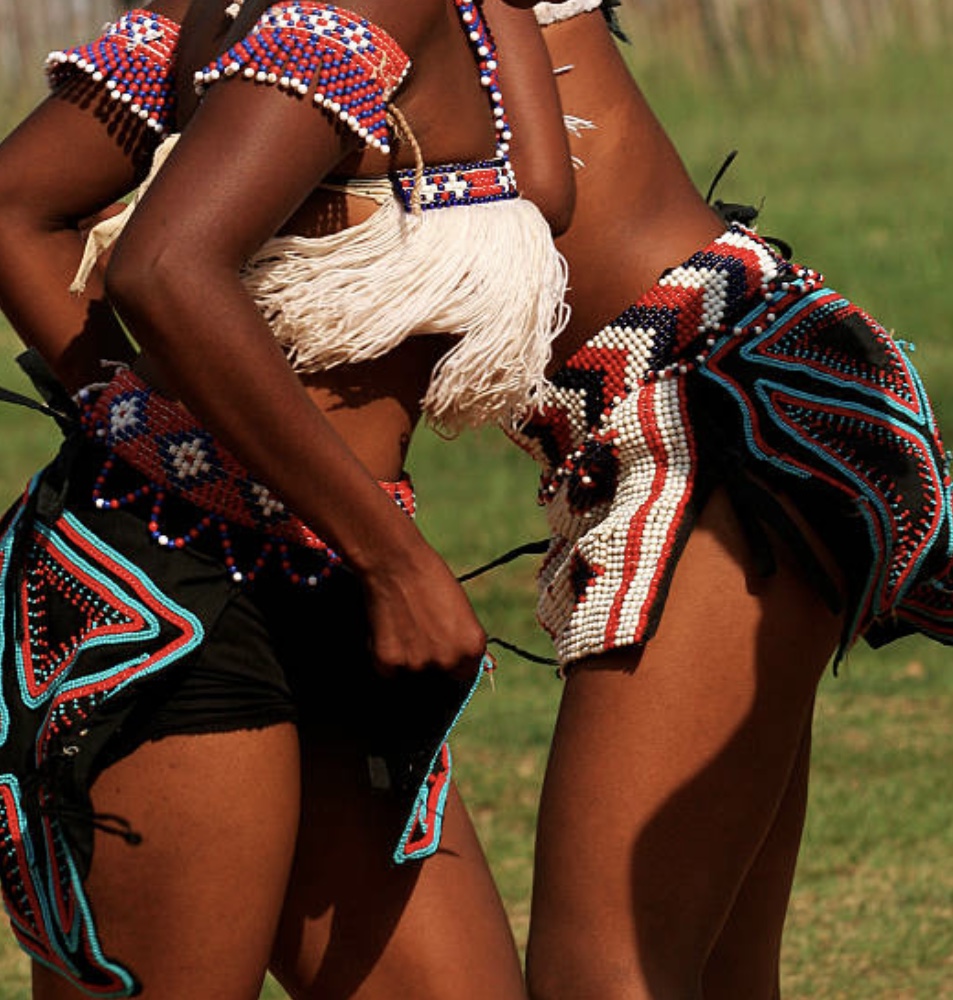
(127, 284)
(140, 284)
(19, 220)
(550, 183)
(555, 197)
(559, 211)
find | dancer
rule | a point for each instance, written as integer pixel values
(259, 699)
(743, 476)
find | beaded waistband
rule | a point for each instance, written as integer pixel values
(667, 333)
(178, 458)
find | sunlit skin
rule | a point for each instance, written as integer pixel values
(674, 796)
(242, 863)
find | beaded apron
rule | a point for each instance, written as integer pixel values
(739, 368)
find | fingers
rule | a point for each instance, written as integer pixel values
(424, 622)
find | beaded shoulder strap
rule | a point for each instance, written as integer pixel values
(353, 65)
(133, 59)
(446, 185)
(484, 49)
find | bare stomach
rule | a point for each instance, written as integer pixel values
(373, 406)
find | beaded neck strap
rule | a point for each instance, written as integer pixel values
(484, 49)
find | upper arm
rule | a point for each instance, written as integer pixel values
(539, 149)
(90, 140)
(281, 108)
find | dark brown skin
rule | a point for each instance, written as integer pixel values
(230, 372)
(260, 850)
(674, 797)
(636, 206)
(174, 278)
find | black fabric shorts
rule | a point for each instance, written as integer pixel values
(110, 639)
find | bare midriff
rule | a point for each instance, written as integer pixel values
(624, 234)
(374, 406)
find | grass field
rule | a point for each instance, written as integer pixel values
(855, 169)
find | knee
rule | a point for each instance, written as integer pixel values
(559, 970)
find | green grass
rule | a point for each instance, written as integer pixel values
(855, 170)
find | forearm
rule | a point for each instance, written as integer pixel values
(215, 351)
(73, 333)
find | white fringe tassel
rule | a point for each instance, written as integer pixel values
(102, 236)
(488, 273)
(551, 13)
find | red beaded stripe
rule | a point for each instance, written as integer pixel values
(353, 65)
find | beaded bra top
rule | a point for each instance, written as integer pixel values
(490, 276)
(354, 68)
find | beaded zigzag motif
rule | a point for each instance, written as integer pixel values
(669, 332)
(133, 59)
(353, 65)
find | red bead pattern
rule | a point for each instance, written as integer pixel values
(352, 65)
(133, 60)
(179, 458)
(741, 366)
(459, 184)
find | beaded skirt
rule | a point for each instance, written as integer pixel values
(742, 370)
(115, 569)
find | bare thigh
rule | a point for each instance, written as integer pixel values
(192, 910)
(357, 926)
(667, 771)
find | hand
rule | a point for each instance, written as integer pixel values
(420, 618)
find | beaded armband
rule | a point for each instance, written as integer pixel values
(353, 65)
(133, 58)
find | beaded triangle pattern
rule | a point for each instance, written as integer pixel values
(80, 627)
(133, 60)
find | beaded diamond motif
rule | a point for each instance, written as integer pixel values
(179, 459)
(133, 59)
